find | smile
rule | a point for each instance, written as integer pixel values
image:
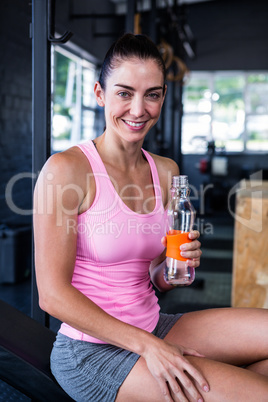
(133, 124)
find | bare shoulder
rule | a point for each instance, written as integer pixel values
(166, 168)
(69, 173)
(67, 167)
(165, 164)
(67, 164)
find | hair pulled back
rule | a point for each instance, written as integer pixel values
(127, 47)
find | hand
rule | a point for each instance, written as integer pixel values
(173, 372)
(191, 251)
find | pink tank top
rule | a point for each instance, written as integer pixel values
(115, 247)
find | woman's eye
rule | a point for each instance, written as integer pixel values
(123, 94)
(154, 95)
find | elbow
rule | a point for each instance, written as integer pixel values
(46, 303)
(157, 284)
(160, 284)
(162, 288)
(53, 298)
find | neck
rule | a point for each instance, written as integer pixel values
(125, 155)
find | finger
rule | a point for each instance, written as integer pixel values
(194, 234)
(191, 352)
(164, 389)
(164, 241)
(193, 245)
(197, 376)
(176, 390)
(194, 263)
(191, 254)
(189, 388)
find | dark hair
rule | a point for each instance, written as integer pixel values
(126, 47)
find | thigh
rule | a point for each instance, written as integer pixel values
(231, 335)
(227, 384)
(139, 385)
(235, 336)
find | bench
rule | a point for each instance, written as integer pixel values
(25, 347)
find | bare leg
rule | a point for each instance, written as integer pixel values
(228, 338)
(227, 384)
(259, 367)
(234, 336)
(231, 384)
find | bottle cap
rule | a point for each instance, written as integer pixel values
(180, 181)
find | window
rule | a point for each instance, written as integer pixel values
(230, 108)
(75, 112)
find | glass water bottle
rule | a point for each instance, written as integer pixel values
(180, 220)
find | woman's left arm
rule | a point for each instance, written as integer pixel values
(191, 251)
(167, 168)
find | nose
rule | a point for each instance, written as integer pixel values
(137, 108)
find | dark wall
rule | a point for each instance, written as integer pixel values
(16, 91)
(16, 104)
(230, 35)
(94, 35)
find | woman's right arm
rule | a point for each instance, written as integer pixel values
(59, 195)
(61, 192)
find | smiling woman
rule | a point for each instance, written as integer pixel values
(106, 239)
(134, 95)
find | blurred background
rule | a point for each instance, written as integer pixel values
(214, 124)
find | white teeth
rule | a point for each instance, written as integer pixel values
(131, 123)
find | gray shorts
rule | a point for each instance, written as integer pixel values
(92, 371)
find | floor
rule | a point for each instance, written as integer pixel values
(212, 287)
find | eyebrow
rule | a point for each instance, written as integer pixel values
(133, 89)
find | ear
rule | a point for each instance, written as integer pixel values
(99, 93)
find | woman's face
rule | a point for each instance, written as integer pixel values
(133, 98)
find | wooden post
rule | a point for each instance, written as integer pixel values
(250, 262)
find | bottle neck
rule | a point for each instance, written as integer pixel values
(180, 186)
(181, 192)
(180, 181)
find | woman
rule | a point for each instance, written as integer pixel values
(99, 220)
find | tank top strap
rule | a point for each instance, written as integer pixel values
(89, 149)
(105, 204)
